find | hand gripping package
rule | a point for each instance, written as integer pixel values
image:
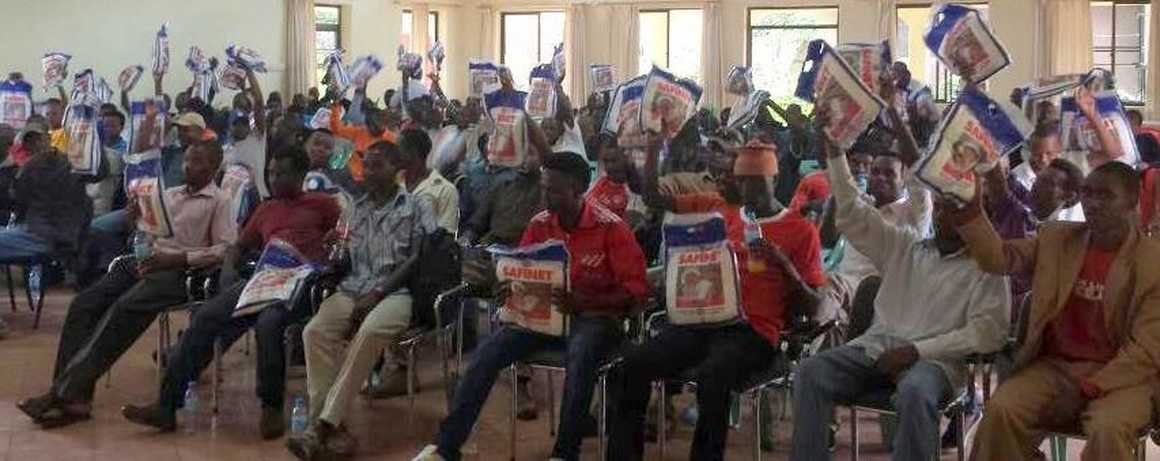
(601, 77)
(701, 279)
(534, 272)
(84, 150)
(559, 65)
(483, 76)
(962, 41)
(868, 61)
(143, 181)
(336, 72)
(541, 101)
(161, 51)
(623, 117)
(15, 103)
(410, 64)
(436, 55)
(972, 138)
(828, 82)
(246, 57)
(137, 114)
(508, 144)
(55, 67)
(232, 76)
(667, 102)
(1078, 134)
(279, 278)
(363, 69)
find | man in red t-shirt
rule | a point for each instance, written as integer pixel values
(1089, 361)
(780, 270)
(299, 218)
(611, 190)
(607, 276)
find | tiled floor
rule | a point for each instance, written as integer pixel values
(384, 428)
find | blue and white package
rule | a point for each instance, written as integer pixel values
(701, 277)
(828, 81)
(411, 65)
(137, 113)
(667, 102)
(84, 141)
(972, 138)
(868, 61)
(483, 76)
(232, 76)
(965, 44)
(129, 77)
(541, 100)
(102, 91)
(161, 51)
(336, 73)
(534, 272)
(196, 61)
(508, 144)
(436, 55)
(143, 180)
(739, 81)
(745, 110)
(246, 57)
(601, 78)
(363, 69)
(55, 67)
(559, 66)
(15, 103)
(279, 278)
(623, 117)
(1079, 136)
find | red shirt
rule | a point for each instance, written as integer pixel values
(815, 186)
(1147, 196)
(1080, 333)
(764, 294)
(610, 195)
(706, 202)
(603, 252)
(302, 221)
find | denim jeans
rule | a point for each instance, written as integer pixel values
(17, 244)
(589, 341)
(846, 374)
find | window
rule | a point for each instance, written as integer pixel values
(671, 39)
(778, 38)
(327, 36)
(408, 28)
(1120, 38)
(924, 66)
(528, 39)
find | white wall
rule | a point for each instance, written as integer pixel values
(370, 27)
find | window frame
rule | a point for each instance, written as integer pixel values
(539, 30)
(668, 28)
(1114, 48)
(430, 14)
(320, 27)
(749, 27)
(942, 74)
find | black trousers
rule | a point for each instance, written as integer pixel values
(104, 320)
(214, 321)
(722, 359)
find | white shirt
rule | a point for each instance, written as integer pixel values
(911, 212)
(942, 304)
(444, 200)
(250, 152)
(571, 141)
(1026, 178)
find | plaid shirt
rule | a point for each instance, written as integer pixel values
(383, 237)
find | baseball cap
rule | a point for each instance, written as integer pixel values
(190, 119)
(35, 127)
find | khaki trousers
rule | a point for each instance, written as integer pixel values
(1010, 429)
(334, 372)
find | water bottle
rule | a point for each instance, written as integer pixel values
(753, 234)
(734, 410)
(142, 246)
(690, 414)
(299, 417)
(189, 410)
(862, 182)
(34, 280)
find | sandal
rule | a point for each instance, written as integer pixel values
(59, 416)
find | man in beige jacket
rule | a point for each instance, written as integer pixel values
(1090, 361)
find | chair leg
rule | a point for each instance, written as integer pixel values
(515, 408)
(661, 417)
(217, 373)
(39, 308)
(410, 376)
(28, 289)
(551, 404)
(961, 436)
(757, 424)
(11, 290)
(602, 422)
(854, 434)
(162, 328)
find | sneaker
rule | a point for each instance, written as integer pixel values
(393, 384)
(429, 453)
(152, 416)
(528, 409)
(272, 425)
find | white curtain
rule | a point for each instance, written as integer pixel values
(1067, 47)
(576, 37)
(1153, 82)
(301, 66)
(487, 49)
(712, 66)
(888, 22)
(623, 32)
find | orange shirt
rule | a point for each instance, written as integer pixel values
(359, 136)
(1080, 333)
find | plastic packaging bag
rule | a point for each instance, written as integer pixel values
(55, 68)
(868, 61)
(601, 77)
(701, 278)
(1078, 134)
(541, 101)
(129, 77)
(84, 142)
(484, 78)
(436, 55)
(196, 61)
(669, 99)
(962, 41)
(232, 77)
(15, 103)
(559, 66)
(827, 80)
(161, 51)
(143, 180)
(363, 69)
(623, 117)
(248, 58)
(279, 278)
(336, 73)
(972, 138)
(410, 64)
(137, 117)
(534, 271)
(508, 144)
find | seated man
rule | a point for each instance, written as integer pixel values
(1088, 362)
(295, 217)
(934, 307)
(106, 318)
(372, 304)
(725, 356)
(607, 280)
(415, 146)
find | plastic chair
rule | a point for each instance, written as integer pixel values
(880, 404)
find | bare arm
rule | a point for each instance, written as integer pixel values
(537, 137)
(158, 87)
(651, 194)
(1087, 104)
(63, 96)
(259, 103)
(564, 113)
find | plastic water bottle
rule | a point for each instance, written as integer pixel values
(189, 410)
(299, 417)
(753, 234)
(34, 281)
(142, 246)
(862, 181)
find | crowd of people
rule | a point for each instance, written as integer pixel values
(923, 281)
